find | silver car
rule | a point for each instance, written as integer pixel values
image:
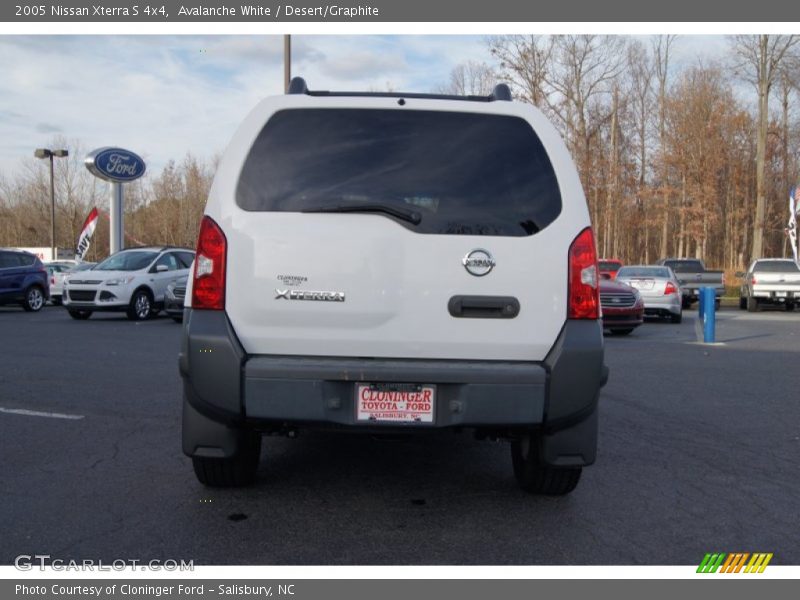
(658, 287)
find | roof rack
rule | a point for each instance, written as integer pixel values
(501, 92)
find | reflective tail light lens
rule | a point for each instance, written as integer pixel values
(208, 279)
(584, 293)
(670, 289)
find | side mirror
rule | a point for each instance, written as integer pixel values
(161, 268)
(739, 274)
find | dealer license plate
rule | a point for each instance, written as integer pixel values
(395, 403)
(642, 284)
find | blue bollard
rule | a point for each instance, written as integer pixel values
(710, 321)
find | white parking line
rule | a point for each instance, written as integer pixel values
(36, 413)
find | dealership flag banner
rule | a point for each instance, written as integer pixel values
(85, 238)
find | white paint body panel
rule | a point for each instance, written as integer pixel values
(397, 283)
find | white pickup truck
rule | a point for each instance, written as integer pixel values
(772, 281)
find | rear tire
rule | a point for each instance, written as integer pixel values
(236, 471)
(56, 300)
(34, 299)
(676, 319)
(790, 306)
(80, 315)
(752, 304)
(742, 303)
(141, 307)
(536, 478)
(625, 331)
(686, 303)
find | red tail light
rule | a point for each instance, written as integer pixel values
(584, 294)
(52, 281)
(753, 280)
(670, 289)
(208, 278)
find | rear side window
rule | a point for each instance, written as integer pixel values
(14, 260)
(26, 260)
(776, 266)
(463, 173)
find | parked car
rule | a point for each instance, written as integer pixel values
(693, 275)
(23, 280)
(58, 276)
(133, 281)
(658, 287)
(56, 272)
(174, 299)
(383, 262)
(623, 307)
(770, 281)
(609, 267)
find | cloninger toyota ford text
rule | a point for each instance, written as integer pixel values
(388, 262)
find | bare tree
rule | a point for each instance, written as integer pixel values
(525, 62)
(761, 59)
(470, 79)
(641, 70)
(661, 47)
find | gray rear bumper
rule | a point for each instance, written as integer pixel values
(223, 384)
(323, 390)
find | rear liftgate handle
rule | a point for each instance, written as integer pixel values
(483, 307)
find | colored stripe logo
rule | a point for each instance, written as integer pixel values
(736, 562)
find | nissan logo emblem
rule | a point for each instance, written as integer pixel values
(479, 262)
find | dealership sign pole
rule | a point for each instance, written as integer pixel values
(117, 166)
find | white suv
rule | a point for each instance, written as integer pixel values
(132, 281)
(394, 262)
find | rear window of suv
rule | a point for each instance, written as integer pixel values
(461, 173)
(776, 266)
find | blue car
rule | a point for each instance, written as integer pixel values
(23, 280)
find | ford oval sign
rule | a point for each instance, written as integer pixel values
(115, 164)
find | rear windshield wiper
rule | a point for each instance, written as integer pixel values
(409, 215)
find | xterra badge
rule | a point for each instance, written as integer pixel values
(479, 262)
(309, 295)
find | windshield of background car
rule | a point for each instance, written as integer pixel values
(776, 266)
(685, 266)
(465, 173)
(609, 266)
(126, 261)
(643, 272)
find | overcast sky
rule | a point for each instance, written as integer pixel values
(163, 96)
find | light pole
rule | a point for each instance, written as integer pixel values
(47, 153)
(287, 62)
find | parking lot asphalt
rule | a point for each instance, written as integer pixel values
(699, 452)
